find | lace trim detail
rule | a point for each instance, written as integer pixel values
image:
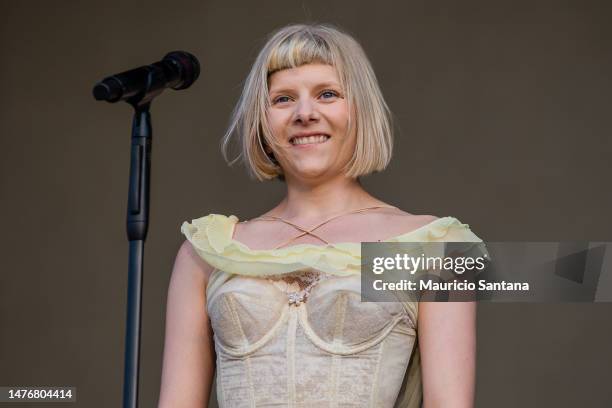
(297, 285)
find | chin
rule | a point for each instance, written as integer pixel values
(312, 173)
(311, 167)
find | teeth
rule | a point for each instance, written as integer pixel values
(309, 139)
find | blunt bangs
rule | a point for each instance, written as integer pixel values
(297, 49)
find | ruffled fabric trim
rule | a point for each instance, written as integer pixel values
(211, 237)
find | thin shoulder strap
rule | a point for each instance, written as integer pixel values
(309, 231)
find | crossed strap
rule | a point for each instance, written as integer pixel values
(306, 231)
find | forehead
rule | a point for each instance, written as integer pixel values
(309, 75)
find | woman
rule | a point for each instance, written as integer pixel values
(273, 303)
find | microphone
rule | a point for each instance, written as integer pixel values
(177, 70)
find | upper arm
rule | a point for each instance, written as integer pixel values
(188, 361)
(447, 343)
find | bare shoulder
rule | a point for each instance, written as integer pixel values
(404, 221)
(188, 262)
(256, 234)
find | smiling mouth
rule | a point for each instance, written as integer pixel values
(309, 140)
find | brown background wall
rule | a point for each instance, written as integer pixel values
(502, 114)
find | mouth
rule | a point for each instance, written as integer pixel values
(309, 140)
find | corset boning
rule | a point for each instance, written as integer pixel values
(331, 350)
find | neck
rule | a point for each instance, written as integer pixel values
(315, 201)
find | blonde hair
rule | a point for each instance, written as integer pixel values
(293, 46)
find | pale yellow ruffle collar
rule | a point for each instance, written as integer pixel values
(211, 237)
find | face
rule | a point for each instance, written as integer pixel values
(306, 103)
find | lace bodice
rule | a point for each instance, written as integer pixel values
(324, 350)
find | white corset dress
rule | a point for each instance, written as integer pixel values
(284, 340)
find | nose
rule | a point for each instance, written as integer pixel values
(306, 111)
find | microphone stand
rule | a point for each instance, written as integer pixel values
(138, 87)
(137, 226)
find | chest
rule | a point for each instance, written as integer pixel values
(246, 311)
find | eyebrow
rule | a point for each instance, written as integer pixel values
(318, 86)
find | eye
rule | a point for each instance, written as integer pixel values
(328, 94)
(281, 99)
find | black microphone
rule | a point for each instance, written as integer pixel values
(177, 70)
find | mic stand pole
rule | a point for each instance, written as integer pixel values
(137, 225)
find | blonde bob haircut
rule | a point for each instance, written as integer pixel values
(293, 46)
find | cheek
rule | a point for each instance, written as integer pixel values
(277, 121)
(339, 116)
